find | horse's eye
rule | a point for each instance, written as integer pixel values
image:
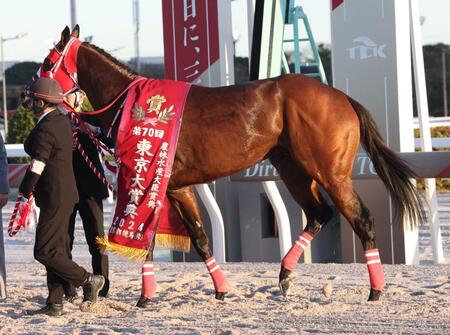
(48, 64)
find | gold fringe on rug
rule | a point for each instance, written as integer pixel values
(175, 242)
(121, 250)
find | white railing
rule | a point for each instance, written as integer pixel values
(436, 142)
(15, 150)
(440, 121)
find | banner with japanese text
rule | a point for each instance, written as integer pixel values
(191, 41)
(146, 145)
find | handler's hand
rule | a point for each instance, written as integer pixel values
(3, 199)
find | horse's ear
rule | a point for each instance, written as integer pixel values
(75, 31)
(65, 35)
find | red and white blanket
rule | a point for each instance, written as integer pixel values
(146, 145)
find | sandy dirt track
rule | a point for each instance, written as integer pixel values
(416, 301)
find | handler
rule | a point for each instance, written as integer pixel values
(50, 177)
(91, 191)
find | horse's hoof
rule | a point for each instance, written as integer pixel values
(285, 280)
(374, 295)
(143, 302)
(220, 295)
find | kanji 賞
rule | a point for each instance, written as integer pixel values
(155, 103)
(135, 194)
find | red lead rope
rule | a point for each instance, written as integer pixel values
(89, 162)
(99, 111)
(24, 209)
(102, 149)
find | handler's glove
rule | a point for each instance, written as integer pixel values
(31, 177)
(27, 185)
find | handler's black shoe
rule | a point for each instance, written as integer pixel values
(104, 291)
(92, 287)
(49, 309)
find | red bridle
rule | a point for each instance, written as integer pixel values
(64, 70)
(64, 66)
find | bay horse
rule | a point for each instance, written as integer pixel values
(309, 131)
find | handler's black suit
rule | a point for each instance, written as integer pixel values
(90, 206)
(56, 194)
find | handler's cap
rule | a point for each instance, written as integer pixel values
(46, 89)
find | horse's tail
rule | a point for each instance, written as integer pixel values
(394, 172)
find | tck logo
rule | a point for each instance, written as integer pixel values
(366, 48)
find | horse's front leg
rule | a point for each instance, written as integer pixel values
(186, 205)
(148, 288)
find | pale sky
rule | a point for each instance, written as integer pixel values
(110, 22)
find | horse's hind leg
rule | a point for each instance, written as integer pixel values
(359, 217)
(305, 191)
(186, 205)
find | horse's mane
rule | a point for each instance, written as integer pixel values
(125, 69)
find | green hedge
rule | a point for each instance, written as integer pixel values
(20, 125)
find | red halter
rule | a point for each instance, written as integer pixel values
(64, 70)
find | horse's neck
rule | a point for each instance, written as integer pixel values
(101, 78)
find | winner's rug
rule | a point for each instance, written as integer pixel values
(146, 145)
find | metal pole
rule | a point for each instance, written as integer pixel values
(5, 106)
(73, 12)
(444, 79)
(2, 262)
(218, 228)
(425, 133)
(136, 34)
(281, 216)
(250, 18)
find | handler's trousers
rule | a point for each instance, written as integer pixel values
(51, 249)
(91, 213)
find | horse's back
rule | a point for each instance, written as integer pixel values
(227, 129)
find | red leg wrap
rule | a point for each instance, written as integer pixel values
(291, 259)
(376, 273)
(148, 280)
(219, 279)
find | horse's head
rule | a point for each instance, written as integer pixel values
(61, 62)
(78, 65)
